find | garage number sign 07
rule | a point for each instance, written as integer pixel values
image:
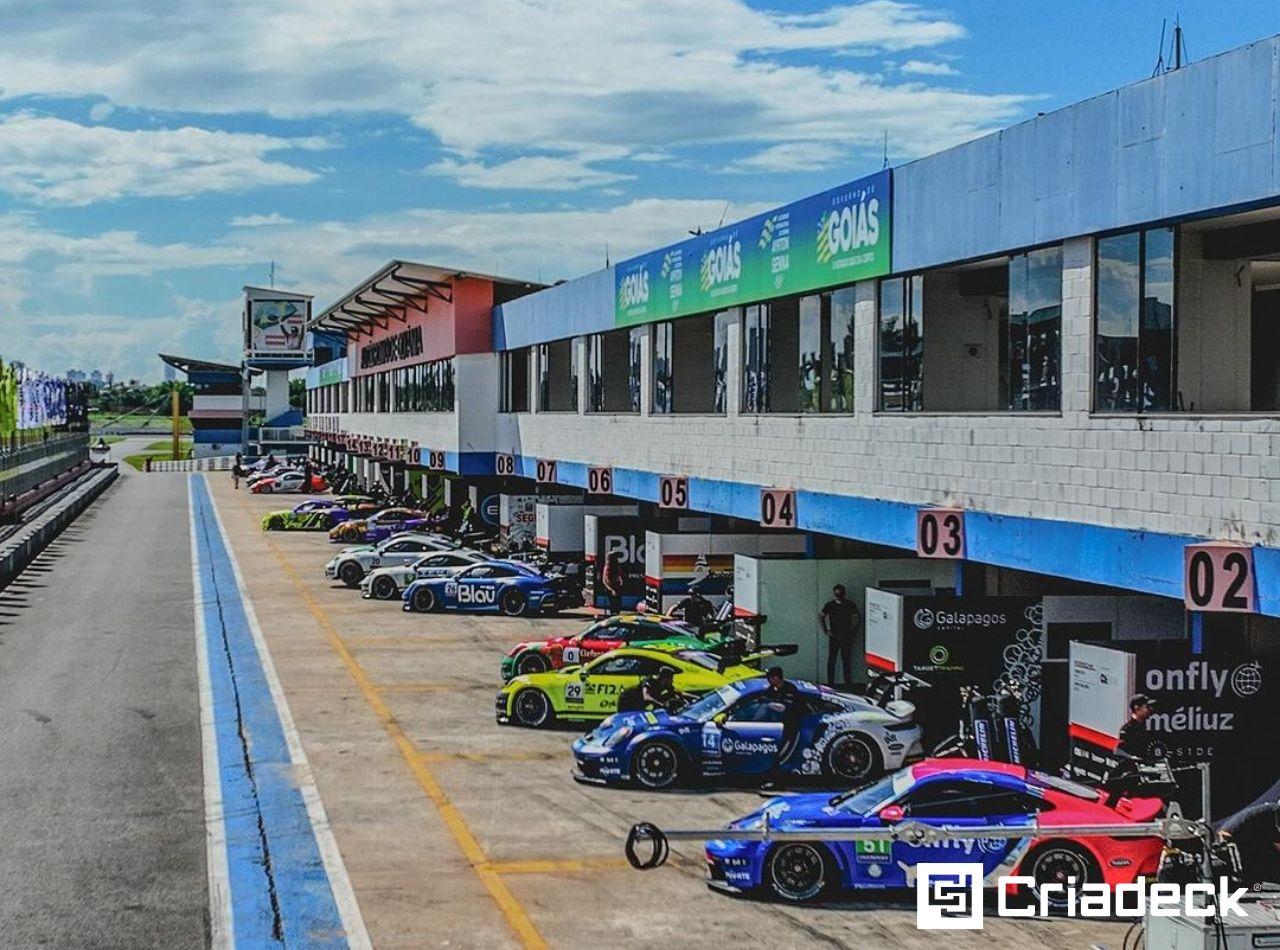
(778, 507)
(940, 533)
(1219, 578)
(546, 471)
(673, 491)
(600, 481)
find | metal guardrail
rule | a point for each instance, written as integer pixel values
(210, 463)
(24, 468)
(20, 549)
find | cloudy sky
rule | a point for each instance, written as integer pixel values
(156, 155)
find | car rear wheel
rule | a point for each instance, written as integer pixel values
(350, 574)
(1060, 863)
(424, 599)
(656, 765)
(513, 602)
(531, 708)
(852, 757)
(531, 663)
(384, 588)
(798, 871)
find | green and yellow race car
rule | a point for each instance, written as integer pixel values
(590, 693)
(319, 514)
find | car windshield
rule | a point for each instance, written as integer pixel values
(861, 800)
(700, 658)
(711, 704)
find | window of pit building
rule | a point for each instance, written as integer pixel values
(798, 354)
(557, 377)
(424, 387)
(901, 334)
(691, 363)
(1135, 354)
(613, 371)
(513, 372)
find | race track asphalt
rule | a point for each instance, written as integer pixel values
(101, 807)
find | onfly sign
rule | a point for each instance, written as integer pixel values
(836, 237)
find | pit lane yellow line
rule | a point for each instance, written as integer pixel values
(516, 916)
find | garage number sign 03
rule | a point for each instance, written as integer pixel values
(1219, 578)
(778, 507)
(546, 471)
(940, 533)
(673, 491)
(504, 464)
(600, 481)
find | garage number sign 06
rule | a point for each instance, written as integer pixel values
(600, 481)
(546, 471)
(504, 464)
(1219, 578)
(673, 491)
(940, 533)
(778, 507)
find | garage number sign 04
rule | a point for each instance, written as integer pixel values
(504, 464)
(600, 481)
(673, 491)
(546, 471)
(940, 533)
(1219, 578)
(778, 507)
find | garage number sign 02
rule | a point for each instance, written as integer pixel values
(546, 471)
(1219, 578)
(600, 480)
(778, 507)
(504, 464)
(673, 491)
(940, 533)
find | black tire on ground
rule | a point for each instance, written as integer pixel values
(1060, 862)
(384, 588)
(532, 708)
(799, 871)
(350, 574)
(275, 523)
(655, 765)
(531, 663)
(513, 602)
(424, 599)
(265, 489)
(852, 757)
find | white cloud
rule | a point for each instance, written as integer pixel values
(54, 161)
(259, 220)
(540, 172)
(101, 111)
(796, 156)
(920, 67)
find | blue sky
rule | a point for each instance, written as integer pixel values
(155, 156)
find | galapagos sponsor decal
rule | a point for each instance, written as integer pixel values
(835, 237)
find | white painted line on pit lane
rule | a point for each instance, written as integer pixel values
(215, 839)
(343, 894)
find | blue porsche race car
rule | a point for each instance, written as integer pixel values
(735, 733)
(507, 587)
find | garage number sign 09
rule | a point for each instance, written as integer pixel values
(435, 460)
(1219, 578)
(778, 507)
(940, 533)
(600, 481)
(673, 491)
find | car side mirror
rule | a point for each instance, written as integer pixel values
(891, 814)
(720, 718)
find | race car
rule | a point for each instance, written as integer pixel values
(288, 482)
(318, 514)
(376, 527)
(735, 732)
(954, 792)
(588, 693)
(386, 583)
(507, 587)
(610, 633)
(351, 564)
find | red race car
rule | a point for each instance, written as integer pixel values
(287, 483)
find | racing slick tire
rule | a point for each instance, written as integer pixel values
(1058, 862)
(852, 757)
(655, 765)
(531, 708)
(799, 871)
(264, 489)
(383, 588)
(531, 662)
(424, 600)
(275, 523)
(350, 574)
(513, 602)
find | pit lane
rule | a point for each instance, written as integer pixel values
(458, 832)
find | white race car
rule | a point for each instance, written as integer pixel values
(386, 583)
(351, 564)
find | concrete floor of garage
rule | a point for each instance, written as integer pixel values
(457, 832)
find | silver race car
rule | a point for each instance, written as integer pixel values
(350, 565)
(386, 583)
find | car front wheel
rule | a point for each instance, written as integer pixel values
(655, 765)
(531, 663)
(513, 602)
(798, 871)
(1060, 863)
(350, 574)
(424, 600)
(531, 708)
(384, 588)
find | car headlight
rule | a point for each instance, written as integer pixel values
(619, 736)
(749, 824)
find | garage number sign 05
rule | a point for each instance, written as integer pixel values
(546, 471)
(504, 464)
(778, 507)
(1219, 578)
(673, 491)
(940, 533)
(600, 481)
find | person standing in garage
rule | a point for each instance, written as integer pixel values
(841, 621)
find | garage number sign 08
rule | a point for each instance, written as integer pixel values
(1219, 578)
(505, 464)
(940, 533)
(778, 507)
(600, 481)
(673, 491)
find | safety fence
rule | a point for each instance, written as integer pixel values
(211, 463)
(18, 549)
(23, 468)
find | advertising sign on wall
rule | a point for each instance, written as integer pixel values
(278, 327)
(832, 238)
(1100, 686)
(620, 537)
(42, 400)
(517, 516)
(8, 400)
